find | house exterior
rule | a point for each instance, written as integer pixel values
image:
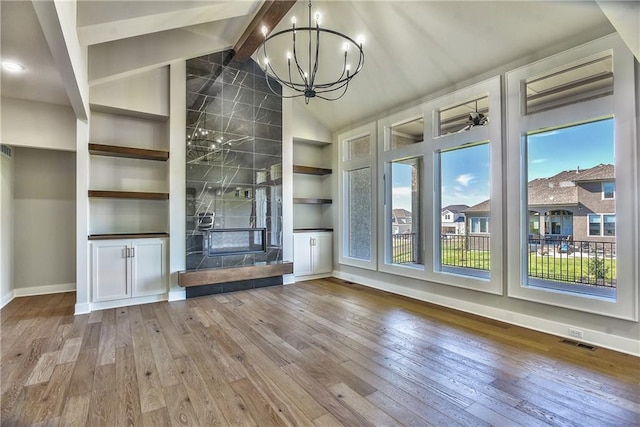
(401, 221)
(576, 204)
(452, 219)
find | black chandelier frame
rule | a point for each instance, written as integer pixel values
(307, 86)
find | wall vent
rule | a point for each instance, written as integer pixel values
(6, 150)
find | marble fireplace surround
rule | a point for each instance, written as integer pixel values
(233, 177)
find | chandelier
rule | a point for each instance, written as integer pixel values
(303, 73)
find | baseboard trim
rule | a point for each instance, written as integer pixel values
(44, 290)
(103, 305)
(7, 298)
(83, 308)
(312, 277)
(288, 279)
(178, 295)
(597, 338)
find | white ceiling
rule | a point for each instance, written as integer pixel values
(412, 48)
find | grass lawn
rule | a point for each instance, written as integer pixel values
(561, 269)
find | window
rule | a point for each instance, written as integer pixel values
(608, 190)
(358, 195)
(359, 208)
(465, 161)
(406, 207)
(571, 139)
(447, 217)
(406, 133)
(602, 225)
(479, 225)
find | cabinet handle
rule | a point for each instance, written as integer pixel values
(126, 252)
(133, 252)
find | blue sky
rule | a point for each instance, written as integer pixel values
(465, 172)
(585, 146)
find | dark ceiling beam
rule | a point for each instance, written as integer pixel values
(269, 15)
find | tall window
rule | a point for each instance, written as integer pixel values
(357, 186)
(406, 209)
(575, 131)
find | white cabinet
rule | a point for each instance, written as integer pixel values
(313, 254)
(128, 268)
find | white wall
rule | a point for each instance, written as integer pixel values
(305, 126)
(6, 230)
(44, 221)
(38, 125)
(147, 92)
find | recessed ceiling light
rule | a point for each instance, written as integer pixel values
(14, 67)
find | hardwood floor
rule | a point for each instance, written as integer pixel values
(316, 353)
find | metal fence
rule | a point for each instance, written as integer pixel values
(465, 251)
(404, 249)
(580, 261)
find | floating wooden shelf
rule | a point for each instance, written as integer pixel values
(128, 152)
(128, 195)
(232, 274)
(114, 236)
(307, 230)
(310, 170)
(305, 201)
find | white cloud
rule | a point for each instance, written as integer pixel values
(537, 161)
(465, 179)
(402, 198)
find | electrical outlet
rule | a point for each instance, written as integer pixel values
(576, 333)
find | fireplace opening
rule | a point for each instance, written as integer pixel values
(237, 241)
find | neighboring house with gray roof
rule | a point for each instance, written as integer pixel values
(577, 203)
(401, 221)
(452, 219)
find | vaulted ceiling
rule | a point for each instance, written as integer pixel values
(412, 48)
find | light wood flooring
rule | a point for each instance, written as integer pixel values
(321, 353)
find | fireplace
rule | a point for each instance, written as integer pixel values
(236, 241)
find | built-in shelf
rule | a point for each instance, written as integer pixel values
(115, 236)
(128, 152)
(128, 195)
(308, 230)
(309, 201)
(310, 170)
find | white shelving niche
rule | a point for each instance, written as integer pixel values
(312, 208)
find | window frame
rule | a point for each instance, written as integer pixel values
(622, 106)
(613, 193)
(601, 223)
(386, 156)
(491, 281)
(346, 166)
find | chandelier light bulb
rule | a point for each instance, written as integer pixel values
(266, 61)
(348, 67)
(293, 20)
(318, 17)
(264, 31)
(288, 55)
(346, 46)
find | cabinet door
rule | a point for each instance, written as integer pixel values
(322, 253)
(148, 262)
(109, 271)
(302, 255)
